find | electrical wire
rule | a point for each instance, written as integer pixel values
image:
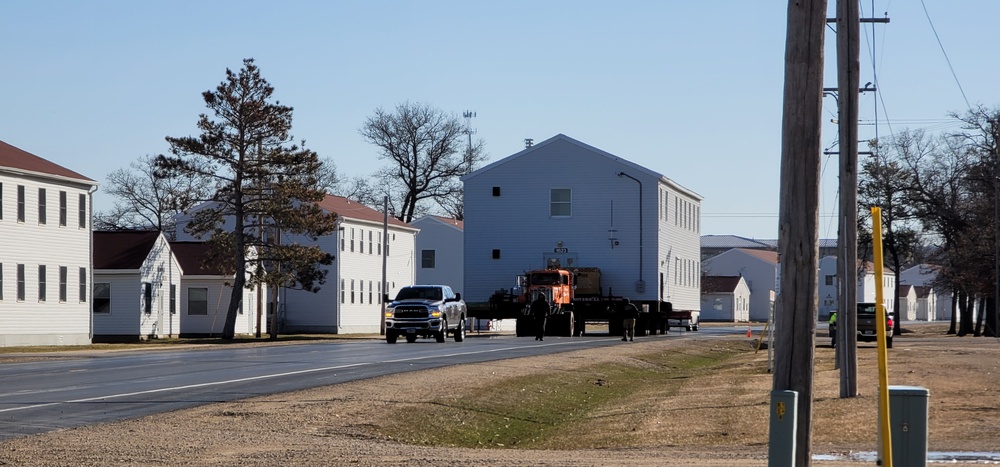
(946, 59)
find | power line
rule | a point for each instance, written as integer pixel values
(946, 59)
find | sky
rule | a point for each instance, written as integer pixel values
(689, 89)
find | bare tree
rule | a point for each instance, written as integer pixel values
(259, 181)
(145, 201)
(427, 153)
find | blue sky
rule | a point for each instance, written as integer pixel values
(689, 89)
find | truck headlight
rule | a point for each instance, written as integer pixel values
(435, 313)
(388, 312)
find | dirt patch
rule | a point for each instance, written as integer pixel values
(718, 418)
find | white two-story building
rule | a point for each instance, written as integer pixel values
(45, 251)
(563, 201)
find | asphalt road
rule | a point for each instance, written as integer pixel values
(46, 395)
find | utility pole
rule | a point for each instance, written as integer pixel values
(798, 238)
(848, 67)
(385, 257)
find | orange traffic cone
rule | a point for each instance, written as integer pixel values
(749, 332)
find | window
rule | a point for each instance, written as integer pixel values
(1, 281)
(361, 293)
(496, 254)
(147, 298)
(83, 285)
(378, 241)
(560, 202)
(829, 279)
(380, 292)
(1, 200)
(370, 249)
(352, 239)
(41, 282)
(343, 291)
(83, 211)
(427, 259)
(361, 242)
(63, 272)
(496, 191)
(198, 301)
(352, 290)
(370, 292)
(41, 205)
(173, 299)
(20, 203)
(102, 298)
(62, 209)
(20, 282)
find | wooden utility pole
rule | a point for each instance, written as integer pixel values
(798, 237)
(848, 68)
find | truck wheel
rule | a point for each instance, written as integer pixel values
(444, 332)
(570, 324)
(520, 327)
(411, 338)
(460, 332)
(888, 342)
(390, 337)
(694, 328)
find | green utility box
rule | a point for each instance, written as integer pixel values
(908, 425)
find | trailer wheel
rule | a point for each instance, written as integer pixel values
(570, 324)
(411, 338)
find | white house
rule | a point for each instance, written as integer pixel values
(725, 298)
(940, 301)
(206, 292)
(907, 302)
(567, 202)
(350, 300)
(926, 303)
(759, 268)
(866, 286)
(440, 252)
(135, 285)
(45, 251)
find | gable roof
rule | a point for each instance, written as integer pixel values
(354, 210)
(768, 256)
(923, 291)
(126, 249)
(18, 160)
(904, 290)
(732, 241)
(719, 284)
(563, 138)
(191, 256)
(454, 223)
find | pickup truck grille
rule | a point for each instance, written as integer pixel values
(411, 312)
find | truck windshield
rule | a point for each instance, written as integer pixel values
(546, 278)
(421, 293)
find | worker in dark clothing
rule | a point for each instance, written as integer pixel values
(631, 315)
(539, 311)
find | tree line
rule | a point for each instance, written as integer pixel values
(938, 194)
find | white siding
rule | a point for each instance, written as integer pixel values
(446, 240)
(219, 298)
(605, 206)
(323, 311)
(760, 277)
(31, 321)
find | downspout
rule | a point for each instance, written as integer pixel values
(640, 285)
(90, 270)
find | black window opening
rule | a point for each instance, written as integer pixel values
(496, 191)
(496, 254)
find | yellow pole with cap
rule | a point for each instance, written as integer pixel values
(883, 356)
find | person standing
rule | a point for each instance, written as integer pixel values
(539, 311)
(631, 314)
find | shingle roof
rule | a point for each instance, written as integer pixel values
(354, 210)
(731, 241)
(450, 221)
(19, 159)
(766, 255)
(719, 284)
(191, 256)
(125, 249)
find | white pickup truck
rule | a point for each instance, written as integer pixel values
(425, 311)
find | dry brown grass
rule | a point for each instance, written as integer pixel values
(717, 417)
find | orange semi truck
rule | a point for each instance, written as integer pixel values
(575, 297)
